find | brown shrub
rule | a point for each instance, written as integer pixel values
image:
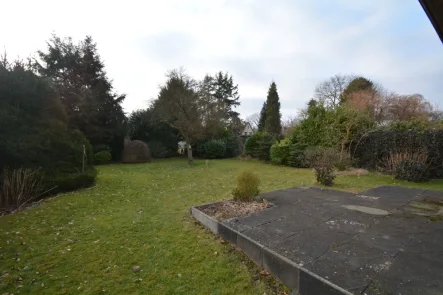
(136, 151)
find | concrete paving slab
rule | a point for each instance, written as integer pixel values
(365, 253)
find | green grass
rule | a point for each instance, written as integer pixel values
(87, 242)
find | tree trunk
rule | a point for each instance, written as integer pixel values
(189, 148)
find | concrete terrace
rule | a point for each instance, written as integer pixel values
(386, 240)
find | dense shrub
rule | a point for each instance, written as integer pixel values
(233, 146)
(411, 171)
(279, 152)
(101, 147)
(68, 182)
(264, 146)
(252, 145)
(158, 149)
(247, 187)
(102, 157)
(343, 162)
(136, 151)
(34, 132)
(296, 156)
(374, 148)
(322, 160)
(215, 149)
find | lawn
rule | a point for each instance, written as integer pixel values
(87, 242)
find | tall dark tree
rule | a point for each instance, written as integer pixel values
(86, 92)
(262, 120)
(273, 115)
(227, 92)
(34, 131)
(147, 126)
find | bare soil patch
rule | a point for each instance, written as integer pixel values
(229, 208)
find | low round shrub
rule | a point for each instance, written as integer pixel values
(411, 171)
(102, 157)
(247, 187)
(215, 149)
(280, 152)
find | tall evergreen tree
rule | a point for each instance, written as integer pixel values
(273, 115)
(227, 92)
(86, 92)
(262, 121)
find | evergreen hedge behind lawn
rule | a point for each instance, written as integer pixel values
(371, 148)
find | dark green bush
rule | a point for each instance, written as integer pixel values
(68, 182)
(102, 157)
(158, 149)
(296, 156)
(374, 147)
(279, 152)
(411, 171)
(322, 160)
(247, 187)
(264, 146)
(233, 146)
(34, 132)
(252, 145)
(101, 147)
(215, 149)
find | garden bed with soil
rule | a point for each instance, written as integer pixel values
(229, 208)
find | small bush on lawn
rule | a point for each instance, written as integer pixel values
(322, 160)
(247, 187)
(280, 152)
(411, 171)
(296, 156)
(215, 149)
(102, 157)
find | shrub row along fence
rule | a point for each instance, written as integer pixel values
(382, 150)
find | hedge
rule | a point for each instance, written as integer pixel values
(215, 149)
(280, 152)
(371, 149)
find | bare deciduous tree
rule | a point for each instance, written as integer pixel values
(329, 91)
(253, 120)
(180, 105)
(409, 107)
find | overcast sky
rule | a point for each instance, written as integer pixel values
(295, 43)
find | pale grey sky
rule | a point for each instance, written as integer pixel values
(295, 43)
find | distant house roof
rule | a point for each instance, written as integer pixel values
(434, 10)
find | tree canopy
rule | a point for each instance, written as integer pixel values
(77, 73)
